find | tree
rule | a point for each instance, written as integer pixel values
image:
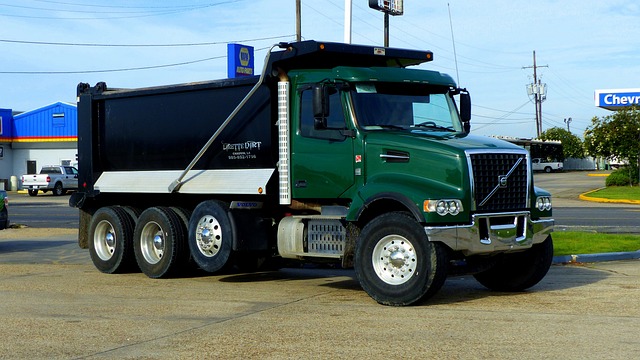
(572, 146)
(615, 136)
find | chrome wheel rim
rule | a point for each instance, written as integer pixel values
(209, 236)
(152, 242)
(104, 240)
(394, 259)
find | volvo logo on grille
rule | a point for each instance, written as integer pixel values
(503, 180)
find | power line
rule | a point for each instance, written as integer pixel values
(136, 45)
(110, 70)
(116, 6)
(135, 14)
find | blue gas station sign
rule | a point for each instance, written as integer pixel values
(239, 60)
(614, 99)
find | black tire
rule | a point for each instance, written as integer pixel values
(133, 212)
(33, 192)
(547, 169)
(159, 243)
(211, 236)
(111, 240)
(184, 215)
(419, 269)
(519, 271)
(58, 190)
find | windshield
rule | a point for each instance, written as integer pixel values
(405, 106)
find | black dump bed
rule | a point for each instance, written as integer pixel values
(163, 128)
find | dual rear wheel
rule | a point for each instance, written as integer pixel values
(161, 240)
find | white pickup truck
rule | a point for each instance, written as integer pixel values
(57, 178)
(545, 165)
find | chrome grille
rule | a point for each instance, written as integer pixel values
(500, 181)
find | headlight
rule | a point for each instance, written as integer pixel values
(543, 203)
(443, 207)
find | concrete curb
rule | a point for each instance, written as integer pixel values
(590, 258)
(586, 197)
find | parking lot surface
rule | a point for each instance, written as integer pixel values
(54, 304)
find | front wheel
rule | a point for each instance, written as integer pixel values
(519, 271)
(395, 262)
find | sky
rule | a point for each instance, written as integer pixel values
(47, 47)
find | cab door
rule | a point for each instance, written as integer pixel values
(322, 158)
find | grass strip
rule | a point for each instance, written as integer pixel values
(617, 193)
(579, 243)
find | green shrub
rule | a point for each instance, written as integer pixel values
(625, 176)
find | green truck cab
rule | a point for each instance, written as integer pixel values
(337, 153)
(390, 143)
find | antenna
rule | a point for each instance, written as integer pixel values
(455, 56)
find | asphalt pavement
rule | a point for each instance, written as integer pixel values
(54, 304)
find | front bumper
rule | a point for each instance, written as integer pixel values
(489, 233)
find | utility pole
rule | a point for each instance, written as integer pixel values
(568, 121)
(539, 92)
(298, 22)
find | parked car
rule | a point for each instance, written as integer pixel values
(4, 211)
(546, 165)
(56, 178)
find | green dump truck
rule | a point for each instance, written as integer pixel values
(335, 153)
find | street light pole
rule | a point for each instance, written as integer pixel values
(386, 29)
(567, 121)
(388, 7)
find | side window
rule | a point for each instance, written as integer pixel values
(334, 121)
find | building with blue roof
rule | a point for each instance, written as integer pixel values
(30, 140)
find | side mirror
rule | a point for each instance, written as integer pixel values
(465, 106)
(320, 106)
(465, 110)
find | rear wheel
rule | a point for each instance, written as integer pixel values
(33, 192)
(111, 240)
(159, 243)
(519, 271)
(58, 190)
(396, 263)
(211, 236)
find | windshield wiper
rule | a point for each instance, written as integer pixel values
(432, 125)
(390, 126)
